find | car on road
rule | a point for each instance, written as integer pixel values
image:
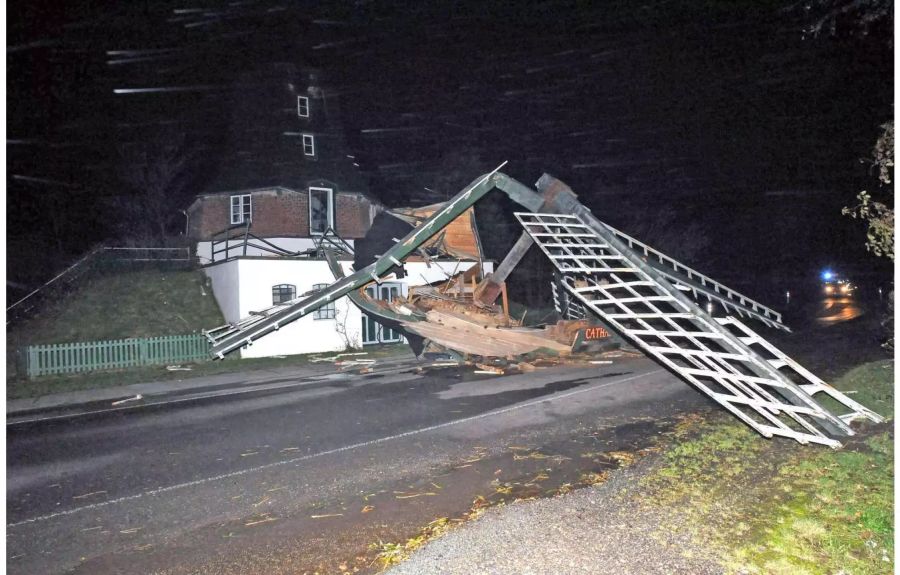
(838, 288)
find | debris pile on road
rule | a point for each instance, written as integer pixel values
(450, 319)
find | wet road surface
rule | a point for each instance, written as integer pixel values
(833, 310)
(304, 478)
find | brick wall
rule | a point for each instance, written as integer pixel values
(351, 216)
(279, 213)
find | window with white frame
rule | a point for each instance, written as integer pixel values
(283, 293)
(309, 145)
(241, 209)
(303, 106)
(327, 311)
(321, 210)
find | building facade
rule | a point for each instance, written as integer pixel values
(287, 181)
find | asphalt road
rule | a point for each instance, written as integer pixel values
(838, 309)
(264, 481)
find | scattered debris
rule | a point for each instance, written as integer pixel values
(532, 455)
(364, 363)
(338, 356)
(484, 368)
(404, 495)
(137, 397)
(91, 494)
(264, 518)
(179, 368)
(326, 515)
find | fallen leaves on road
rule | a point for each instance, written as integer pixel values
(623, 457)
(537, 478)
(367, 509)
(593, 477)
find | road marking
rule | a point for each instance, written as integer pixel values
(302, 458)
(260, 387)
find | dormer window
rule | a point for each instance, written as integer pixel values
(309, 145)
(241, 209)
(302, 106)
(321, 210)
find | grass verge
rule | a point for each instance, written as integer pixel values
(137, 304)
(774, 507)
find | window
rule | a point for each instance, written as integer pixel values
(303, 106)
(309, 145)
(321, 210)
(327, 310)
(283, 293)
(241, 210)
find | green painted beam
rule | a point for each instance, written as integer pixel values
(374, 271)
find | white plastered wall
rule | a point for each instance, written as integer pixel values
(250, 282)
(244, 285)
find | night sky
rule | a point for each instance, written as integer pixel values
(723, 121)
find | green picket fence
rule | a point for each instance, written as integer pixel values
(60, 358)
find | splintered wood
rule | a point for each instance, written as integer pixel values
(454, 320)
(466, 334)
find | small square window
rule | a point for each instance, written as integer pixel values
(283, 293)
(303, 106)
(309, 145)
(327, 311)
(241, 209)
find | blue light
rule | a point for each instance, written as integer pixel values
(827, 275)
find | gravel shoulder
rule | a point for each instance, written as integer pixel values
(591, 530)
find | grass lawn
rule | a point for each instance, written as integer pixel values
(777, 508)
(126, 304)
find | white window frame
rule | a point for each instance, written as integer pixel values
(327, 311)
(302, 107)
(292, 290)
(331, 223)
(241, 218)
(310, 140)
